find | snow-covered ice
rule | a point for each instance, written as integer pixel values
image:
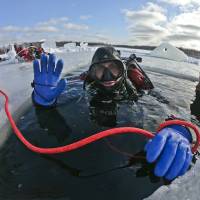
(169, 67)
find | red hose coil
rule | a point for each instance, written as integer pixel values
(95, 137)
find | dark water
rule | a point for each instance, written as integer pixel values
(113, 168)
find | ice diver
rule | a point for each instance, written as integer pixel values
(170, 150)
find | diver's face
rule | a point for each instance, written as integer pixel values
(111, 66)
(108, 73)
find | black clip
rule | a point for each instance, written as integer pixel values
(33, 84)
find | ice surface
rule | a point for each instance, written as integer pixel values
(15, 79)
(169, 67)
(185, 187)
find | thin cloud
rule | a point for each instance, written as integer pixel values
(46, 29)
(183, 37)
(10, 28)
(85, 17)
(78, 27)
(190, 27)
(52, 28)
(54, 21)
(15, 29)
(180, 2)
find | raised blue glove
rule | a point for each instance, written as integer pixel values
(170, 149)
(47, 83)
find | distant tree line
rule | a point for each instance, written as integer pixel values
(189, 52)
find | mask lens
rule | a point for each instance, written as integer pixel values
(99, 70)
(115, 70)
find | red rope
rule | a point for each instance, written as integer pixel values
(92, 138)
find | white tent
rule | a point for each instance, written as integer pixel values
(167, 51)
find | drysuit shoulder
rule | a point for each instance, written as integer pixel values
(138, 77)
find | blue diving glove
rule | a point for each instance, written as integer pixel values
(47, 83)
(170, 149)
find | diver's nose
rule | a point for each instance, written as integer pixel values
(107, 75)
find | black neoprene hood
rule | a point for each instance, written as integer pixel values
(106, 54)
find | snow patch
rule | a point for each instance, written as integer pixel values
(167, 51)
(184, 187)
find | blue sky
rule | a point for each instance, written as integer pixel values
(136, 22)
(106, 14)
(23, 12)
